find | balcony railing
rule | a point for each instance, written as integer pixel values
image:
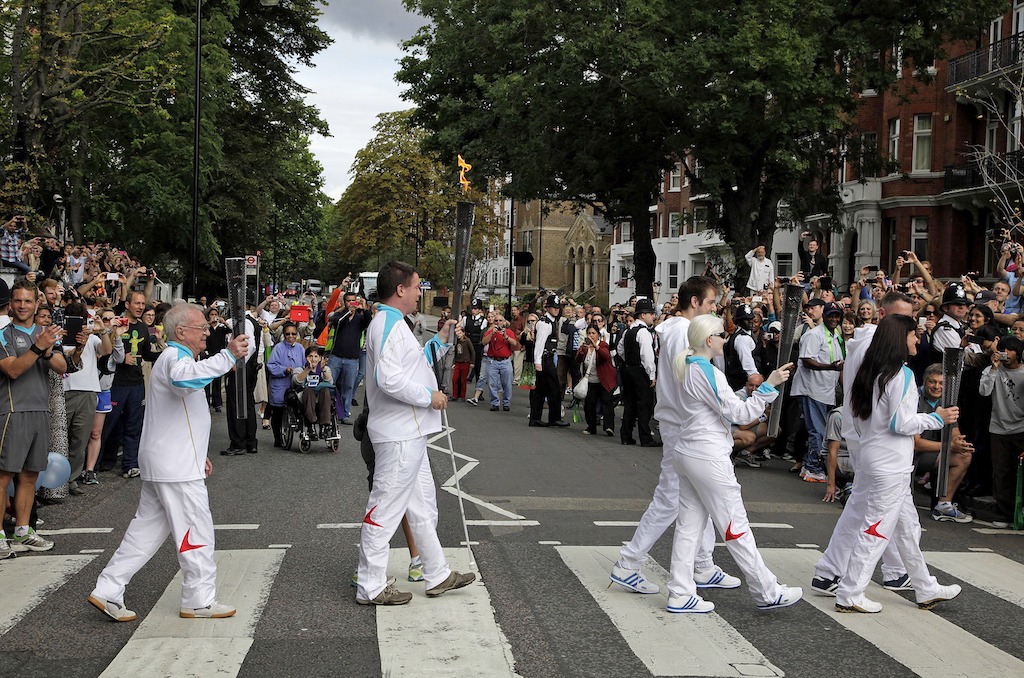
(1000, 169)
(999, 55)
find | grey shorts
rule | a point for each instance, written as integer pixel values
(24, 441)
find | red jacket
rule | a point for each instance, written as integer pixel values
(605, 367)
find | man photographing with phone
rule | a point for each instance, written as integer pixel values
(11, 242)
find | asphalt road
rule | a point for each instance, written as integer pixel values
(550, 490)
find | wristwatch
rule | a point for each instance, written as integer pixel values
(35, 349)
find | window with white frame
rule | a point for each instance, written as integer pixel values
(673, 275)
(527, 271)
(995, 34)
(919, 237)
(784, 264)
(675, 177)
(700, 218)
(674, 219)
(894, 141)
(624, 232)
(992, 135)
(922, 142)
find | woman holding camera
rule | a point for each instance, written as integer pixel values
(598, 371)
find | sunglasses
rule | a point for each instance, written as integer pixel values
(291, 334)
(721, 335)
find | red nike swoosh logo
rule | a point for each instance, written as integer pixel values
(186, 546)
(368, 520)
(730, 535)
(873, 531)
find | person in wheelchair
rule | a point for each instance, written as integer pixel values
(314, 387)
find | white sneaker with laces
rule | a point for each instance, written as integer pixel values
(689, 605)
(945, 593)
(118, 613)
(214, 610)
(715, 578)
(862, 604)
(5, 549)
(632, 580)
(788, 595)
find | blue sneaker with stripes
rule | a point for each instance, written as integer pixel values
(787, 596)
(631, 580)
(715, 579)
(689, 604)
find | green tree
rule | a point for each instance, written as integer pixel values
(592, 101)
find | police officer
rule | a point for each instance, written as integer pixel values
(744, 357)
(545, 360)
(950, 329)
(638, 376)
(474, 326)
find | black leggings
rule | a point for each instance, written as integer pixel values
(596, 393)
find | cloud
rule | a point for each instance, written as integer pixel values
(385, 20)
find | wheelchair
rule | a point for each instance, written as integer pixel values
(295, 424)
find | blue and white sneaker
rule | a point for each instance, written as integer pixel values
(900, 583)
(825, 586)
(947, 512)
(788, 596)
(689, 605)
(715, 579)
(631, 580)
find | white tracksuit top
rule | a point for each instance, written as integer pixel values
(400, 379)
(176, 426)
(708, 408)
(885, 441)
(673, 341)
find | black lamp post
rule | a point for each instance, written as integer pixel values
(195, 141)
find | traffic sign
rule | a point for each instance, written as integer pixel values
(251, 264)
(424, 284)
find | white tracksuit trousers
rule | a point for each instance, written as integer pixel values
(402, 485)
(661, 513)
(836, 559)
(181, 510)
(889, 517)
(710, 488)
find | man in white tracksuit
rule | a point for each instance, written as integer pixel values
(834, 561)
(696, 297)
(174, 466)
(405, 408)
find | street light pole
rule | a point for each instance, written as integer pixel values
(195, 142)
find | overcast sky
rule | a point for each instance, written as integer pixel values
(354, 79)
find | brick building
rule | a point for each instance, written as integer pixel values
(541, 228)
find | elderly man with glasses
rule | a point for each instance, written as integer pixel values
(174, 468)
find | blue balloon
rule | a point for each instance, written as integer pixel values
(58, 472)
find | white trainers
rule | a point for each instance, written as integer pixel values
(715, 578)
(689, 605)
(787, 596)
(945, 593)
(214, 610)
(631, 580)
(5, 548)
(118, 613)
(862, 604)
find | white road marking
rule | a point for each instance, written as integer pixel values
(550, 543)
(480, 502)
(76, 530)
(996, 530)
(979, 549)
(634, 523)
(924, 642)
(668, 644)
(338, 526)
(806, 546)
(279, 546)
(503, 523)
(990, 572)
(453, 635)
(237, 526)
(27, 581)
(92, 550)
(166, 645)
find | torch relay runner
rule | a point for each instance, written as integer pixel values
(174, 468)
(405, 408)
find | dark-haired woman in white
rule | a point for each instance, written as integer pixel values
(707, 481)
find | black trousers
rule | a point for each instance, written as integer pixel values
(213, 393)
(597, 393)
(242, 432)
(546, 388)
(637, 404)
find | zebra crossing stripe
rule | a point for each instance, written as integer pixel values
(924, 642)
(27, 580)
(166, 645)
(667, 644)
(414, 642)
(989, 572)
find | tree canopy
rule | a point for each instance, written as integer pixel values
(591, 101)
